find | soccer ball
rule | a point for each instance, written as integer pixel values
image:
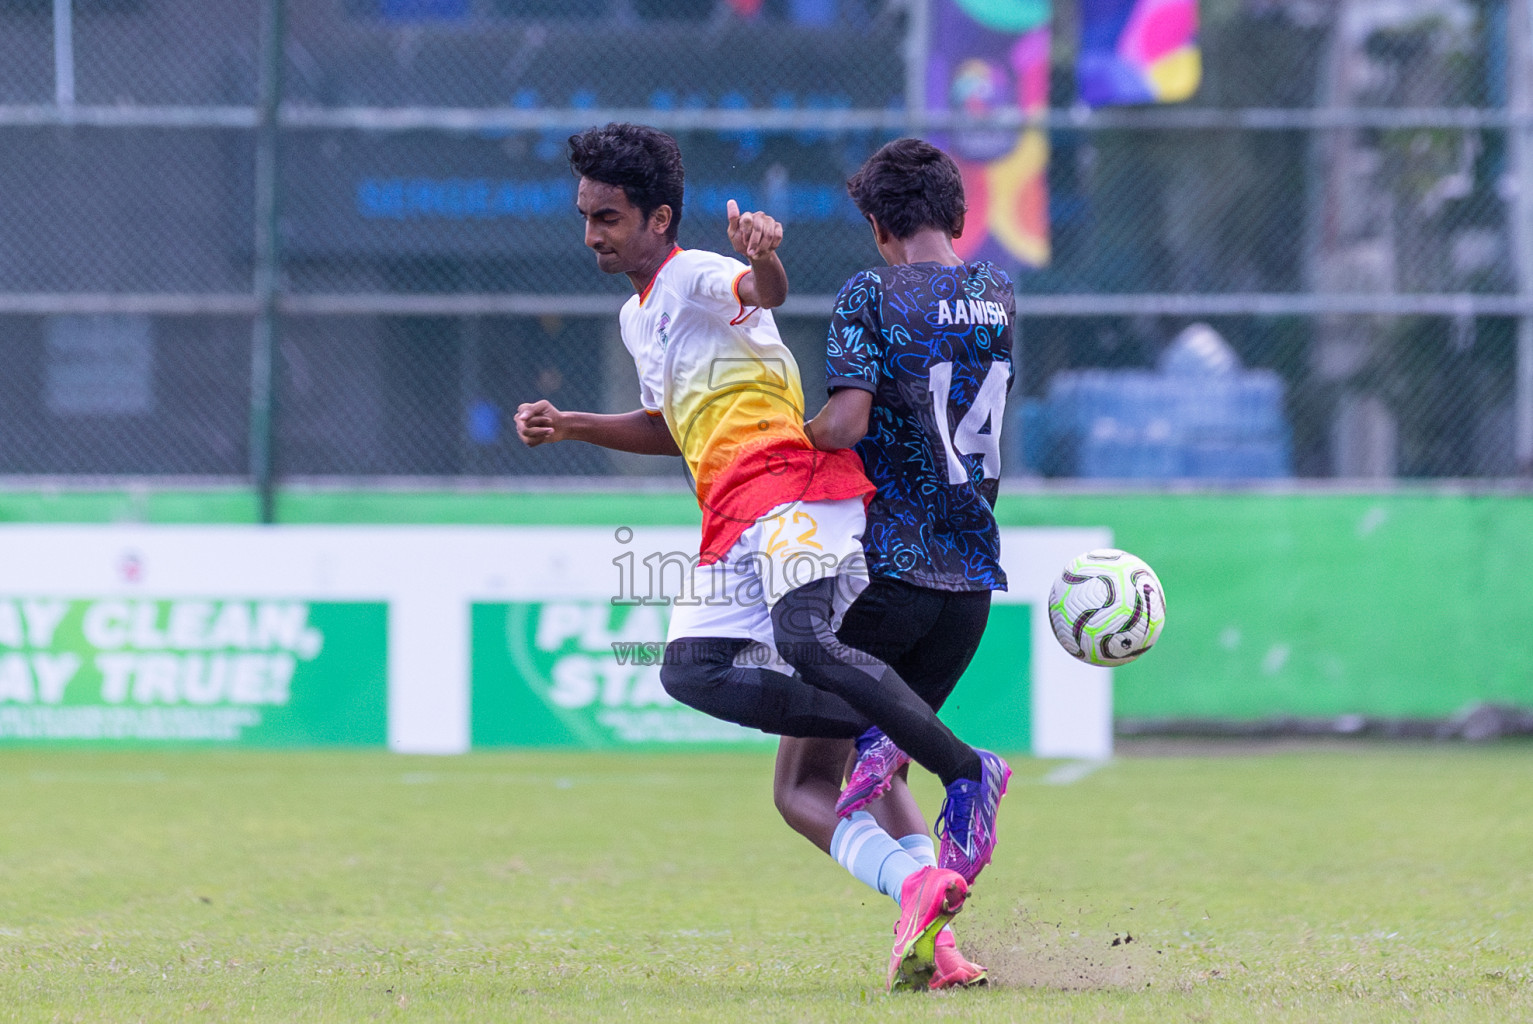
(1107, 607)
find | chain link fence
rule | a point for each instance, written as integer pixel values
(354, 253)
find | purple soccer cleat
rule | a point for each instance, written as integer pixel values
(877, 761)
(967, 820)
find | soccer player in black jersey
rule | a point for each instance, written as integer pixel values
(918, 365)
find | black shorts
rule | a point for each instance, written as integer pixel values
(927, 636)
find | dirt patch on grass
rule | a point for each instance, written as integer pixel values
(1062, 949)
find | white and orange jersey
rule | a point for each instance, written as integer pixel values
(730, 392)
(716, 369)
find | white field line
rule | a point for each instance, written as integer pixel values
(1073, 771)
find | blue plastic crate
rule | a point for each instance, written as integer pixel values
(1137, 424)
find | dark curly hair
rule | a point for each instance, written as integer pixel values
(909, 185)
(642, 161)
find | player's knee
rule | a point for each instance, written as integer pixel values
(693, 668)
(680, 679)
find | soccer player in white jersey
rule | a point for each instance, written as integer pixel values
(782, 521)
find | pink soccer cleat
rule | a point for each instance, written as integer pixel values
(928, 900)
(872, 774)
(954, 970)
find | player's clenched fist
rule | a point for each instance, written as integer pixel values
(538, 422)
(754, 235)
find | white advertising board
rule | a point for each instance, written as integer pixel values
(163, 604)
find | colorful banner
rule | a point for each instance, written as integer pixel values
(1138, 51)
(986, 55)
(270, 673)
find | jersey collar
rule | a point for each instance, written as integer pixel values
(649, 287)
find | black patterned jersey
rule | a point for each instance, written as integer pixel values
(933, 344)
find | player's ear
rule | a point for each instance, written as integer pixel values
(660, 219)
(958, 224)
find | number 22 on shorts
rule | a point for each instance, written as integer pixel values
(776, 542)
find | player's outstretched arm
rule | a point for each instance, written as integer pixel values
(638, 431)
(843, 422)
(756, 236)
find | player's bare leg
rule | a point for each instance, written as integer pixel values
(808, 782)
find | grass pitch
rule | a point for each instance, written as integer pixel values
(1356, 884)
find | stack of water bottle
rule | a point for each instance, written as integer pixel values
(1200, 414)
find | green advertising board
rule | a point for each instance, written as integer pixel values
(586, 673)
(579, 673)
(266, 672)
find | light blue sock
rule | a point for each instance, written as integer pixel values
(871, 855)
(921, 849)
(924, 852)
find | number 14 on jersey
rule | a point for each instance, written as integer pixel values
(970, 438)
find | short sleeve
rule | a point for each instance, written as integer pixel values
(855, 343)
(713, 280)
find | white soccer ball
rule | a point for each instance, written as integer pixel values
(1107, 607)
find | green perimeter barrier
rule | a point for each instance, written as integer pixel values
(1399, 604)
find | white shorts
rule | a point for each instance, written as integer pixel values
(790, 546)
